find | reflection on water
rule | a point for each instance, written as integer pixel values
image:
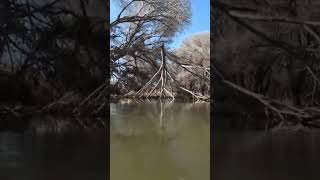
(160, 141)
(41, 156)
(265, 156)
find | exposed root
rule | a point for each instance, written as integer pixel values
(161, 87)
(162, 81)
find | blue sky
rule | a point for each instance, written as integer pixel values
(200, 19)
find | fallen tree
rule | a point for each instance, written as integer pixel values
(278, 113)
(167, 85)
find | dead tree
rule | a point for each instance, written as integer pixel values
(162, 72)
(166, 80)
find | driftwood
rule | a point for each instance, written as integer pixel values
(69, 105)
(62, 100)
(277, 110)
(306, 116)
(94, 97)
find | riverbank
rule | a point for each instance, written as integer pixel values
(18, 117)
(132, 99)
(51, 124)
(231, 114)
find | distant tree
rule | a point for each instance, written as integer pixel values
(194, 55)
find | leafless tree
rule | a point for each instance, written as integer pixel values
(137, 34)
(166, 17)
(53, 47)
(268, 50)
(194, 55)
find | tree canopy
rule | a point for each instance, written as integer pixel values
(137, 37)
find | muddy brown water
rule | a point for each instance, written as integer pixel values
(256, 155)
(157, 141)
(50, 156)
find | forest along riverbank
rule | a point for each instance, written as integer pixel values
(49, 71)
(267, 65)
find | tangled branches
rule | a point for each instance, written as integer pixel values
(283, 72)
(164, 73)
(166, 78)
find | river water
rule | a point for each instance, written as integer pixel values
(256, 155)
(50, 156)
(154, 141)
(159, 141)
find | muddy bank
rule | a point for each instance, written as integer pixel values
(48, 123)
(18, 117)
(130, 99)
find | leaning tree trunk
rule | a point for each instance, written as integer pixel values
(147, 90)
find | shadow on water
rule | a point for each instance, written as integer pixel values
(160, 141)
(251, 155)
(39, 153)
